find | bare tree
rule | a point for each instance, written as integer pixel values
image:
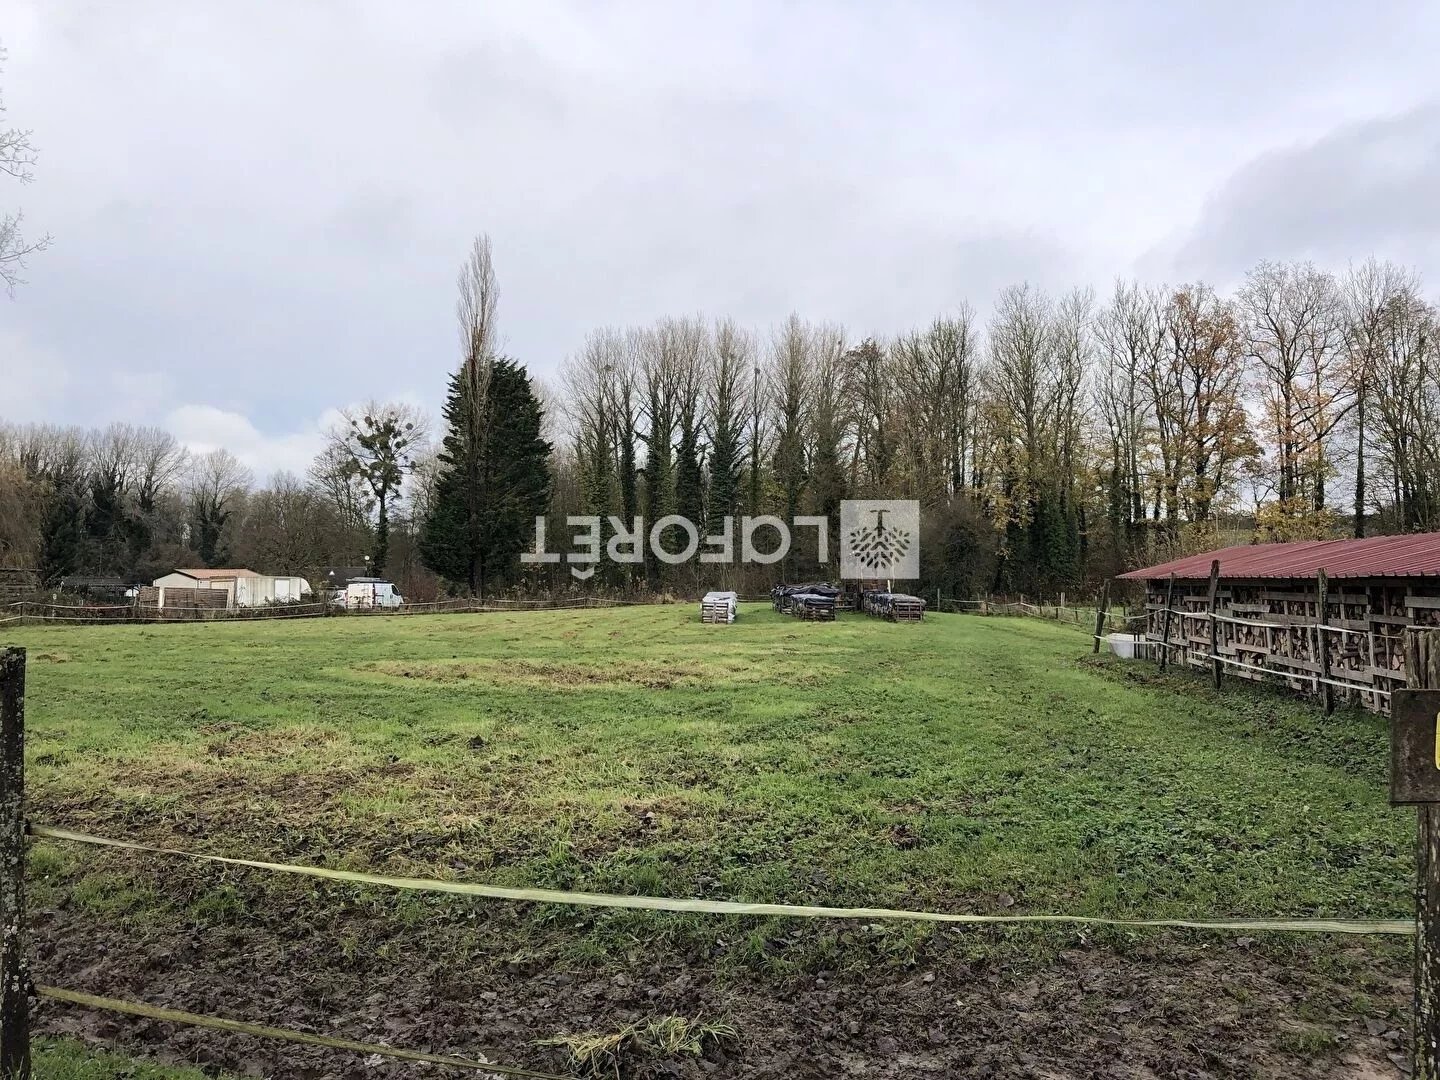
(934, 371)
(756, 438)
(17, 160)
(1129, 330)
(1294, 327)
(1073, 342)
(331, 476)
(1205, 431)
(1369, 292)
(590, 407)
(690, 345)
(58, 456)
(478, 295)
(622, 387)
(871, 383)
(477, 298)
(22, 507)
(159, 461)
(830, 422)
(790, 387)
(733, 357)
(1020, 383)
(113, 454)
(1404, 382)
(657, 351)
(218, 482)
(289, 528)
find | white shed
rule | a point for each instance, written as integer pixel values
(243, 588)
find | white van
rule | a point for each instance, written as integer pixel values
(363, 593)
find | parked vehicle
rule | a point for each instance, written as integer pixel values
(361, 594)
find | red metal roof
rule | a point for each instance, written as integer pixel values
(1414, 555)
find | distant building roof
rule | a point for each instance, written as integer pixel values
(210, 575)
(1411, 556)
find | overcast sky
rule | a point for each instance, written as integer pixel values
(258, 210)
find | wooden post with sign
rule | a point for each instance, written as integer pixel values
(1322, 652)
(14, 964)
(1213, 606)
(1165, 622)
(1415, 780)
(1102, 608)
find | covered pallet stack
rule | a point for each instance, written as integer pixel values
(817, 607)
(719, 607)
(783, 597)
(897, 607)
(1311, 615)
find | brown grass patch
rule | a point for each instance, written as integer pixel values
(547, 674)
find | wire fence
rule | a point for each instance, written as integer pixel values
(39, 612)
(1073, 616)
(262, 1031)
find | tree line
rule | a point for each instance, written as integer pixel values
(1053, 442)
(129, 503)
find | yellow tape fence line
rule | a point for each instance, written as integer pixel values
(729, 907)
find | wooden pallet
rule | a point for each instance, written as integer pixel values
(907, 610)
(813, 612)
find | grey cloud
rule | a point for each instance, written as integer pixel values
(262, 210)
(1364, 188)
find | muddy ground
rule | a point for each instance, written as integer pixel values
(1035, 1004)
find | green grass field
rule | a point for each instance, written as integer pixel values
(64, 1060)
(966, 763)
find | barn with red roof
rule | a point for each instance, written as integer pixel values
(1324, 616)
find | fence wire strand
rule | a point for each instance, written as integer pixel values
(240, 1027)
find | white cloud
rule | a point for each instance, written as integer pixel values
(203, 428)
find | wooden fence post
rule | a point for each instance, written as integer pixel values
(1422, 662)
(14, 962)
(1214, 606)
(1102, 608)
(1165, 622)
(1322, 654)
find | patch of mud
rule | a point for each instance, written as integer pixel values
(1163, 1008)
